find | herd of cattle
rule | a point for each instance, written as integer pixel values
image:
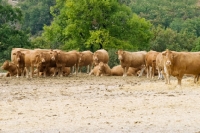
(46, 62)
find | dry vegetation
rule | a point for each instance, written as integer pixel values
(98, 104)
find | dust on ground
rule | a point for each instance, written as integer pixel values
(98, 104)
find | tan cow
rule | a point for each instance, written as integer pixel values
(150, 61)
(14, 50)
(118, 71)
(65, 59)
(179, 63)
(19, 61)
(10, 67)
(100, 56)
(104, 69)
(86, 59)
(44, 62)
(131, 59)
(160, 66)
(32, 61)
(95, 71)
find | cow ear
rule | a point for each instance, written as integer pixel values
(116, 52)
(14, 53)
(123, 52)
(164, 53)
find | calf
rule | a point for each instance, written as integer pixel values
(10, 67)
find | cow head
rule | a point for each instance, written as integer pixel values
(120, 54)
(101, 66)
(18, 57)
(5, 65)
(95, 58)
(53, 55)
(42, 57)
(168, 57)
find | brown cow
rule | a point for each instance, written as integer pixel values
(179, 63)
(65, 59)
(95, 71)
(118, 71)
(32, 61)
(100, 56)
(19, 60)
(104, 69)
(44, 62)
(10, 67)
(150, 61)
(14, 50)
(160, 66)
(86, 59)
(131, 59)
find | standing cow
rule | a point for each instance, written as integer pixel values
(150, 60)
(19, 61)
(100, 56)
(65, 59)
(86, 59)
(160, 65)
(179, 63)
(131, 59)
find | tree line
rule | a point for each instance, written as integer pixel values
(92, 24)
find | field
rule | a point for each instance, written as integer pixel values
(98, 104)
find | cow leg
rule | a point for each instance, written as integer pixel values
(125, 71)
(88, 68)
(32, 71)
(17, 72)
(60, 71)
(55, 71)
(147, 71)
(150, 72)
(45, 72)
(179, 77)
(153, 71)
(76, 69)
(196, 78)
(159, 73)
(141, 71)
(27, 71)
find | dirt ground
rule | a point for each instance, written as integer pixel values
(98, 105)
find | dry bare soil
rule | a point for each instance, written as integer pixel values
(98, 105)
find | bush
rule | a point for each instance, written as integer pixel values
(113, 59)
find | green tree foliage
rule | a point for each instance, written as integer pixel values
(94, 24)
(10, 33)
(170, 39)
(36, 14)
(180, 18)
(164, 12)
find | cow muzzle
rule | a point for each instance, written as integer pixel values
(53, 58)
(43, 60)
(168, 63)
